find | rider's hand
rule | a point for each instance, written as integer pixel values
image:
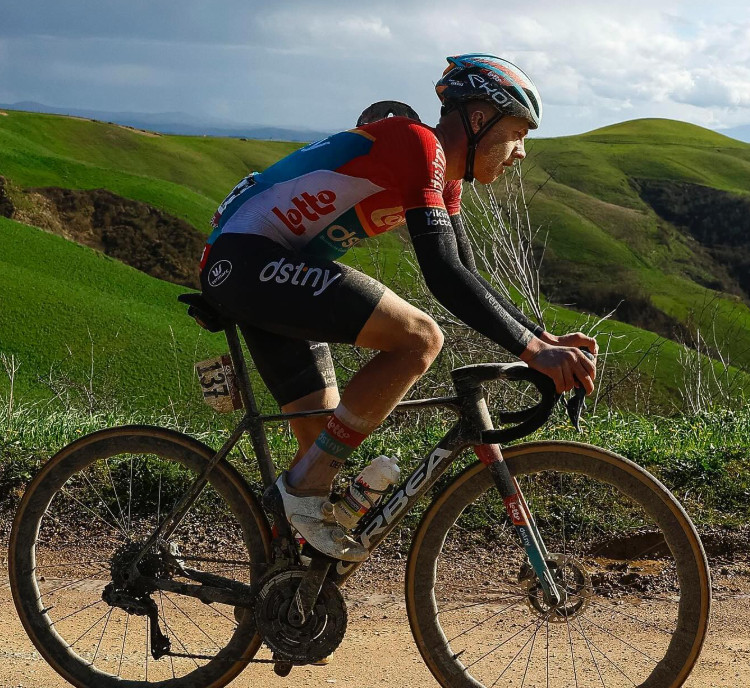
(567, 366)
(577, 339)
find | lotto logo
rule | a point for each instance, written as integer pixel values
(388, 217)
(306, 207)
(513, 507)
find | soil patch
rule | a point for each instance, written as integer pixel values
(133, 232)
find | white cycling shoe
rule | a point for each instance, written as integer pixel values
(313, 518)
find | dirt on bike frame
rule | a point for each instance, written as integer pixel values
(473, 428)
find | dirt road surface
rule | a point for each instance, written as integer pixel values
(378, 649)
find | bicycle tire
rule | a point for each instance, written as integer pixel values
(442, 543)
(68, 525)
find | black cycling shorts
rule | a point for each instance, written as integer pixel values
(287, 306)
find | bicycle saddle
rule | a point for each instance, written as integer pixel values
(204, 313)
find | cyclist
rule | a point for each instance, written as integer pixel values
(271, 265)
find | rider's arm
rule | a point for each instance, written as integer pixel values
(455, 286)
(467, 259)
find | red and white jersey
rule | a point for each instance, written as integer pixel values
(326, 197)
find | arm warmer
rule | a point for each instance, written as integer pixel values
(455, 285)
(467, 258)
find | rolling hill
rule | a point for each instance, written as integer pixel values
(608, 239)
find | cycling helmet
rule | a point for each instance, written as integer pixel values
(493, 80)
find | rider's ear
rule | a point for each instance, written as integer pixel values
(477, 119)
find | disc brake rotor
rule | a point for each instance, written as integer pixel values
(300, 642)
(573, 582)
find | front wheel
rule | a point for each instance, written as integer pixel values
(634, 574)
(78, 527)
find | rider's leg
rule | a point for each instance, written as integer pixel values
(408, 341)
(306, 430)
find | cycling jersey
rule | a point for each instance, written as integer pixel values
(326, 197)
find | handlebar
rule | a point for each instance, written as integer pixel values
(527, 420)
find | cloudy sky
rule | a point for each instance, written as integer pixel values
(318, 63)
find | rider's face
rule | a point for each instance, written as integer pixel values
(500, 148)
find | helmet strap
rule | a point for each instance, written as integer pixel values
(473, 138)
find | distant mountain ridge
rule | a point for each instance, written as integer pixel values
(180, 123)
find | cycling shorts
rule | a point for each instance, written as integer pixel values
(287, 306)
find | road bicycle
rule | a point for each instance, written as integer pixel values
(140, 556)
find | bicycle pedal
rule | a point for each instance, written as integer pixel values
(282, 667)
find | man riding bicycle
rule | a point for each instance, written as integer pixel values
(270, 264)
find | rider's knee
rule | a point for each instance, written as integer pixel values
(423, 342)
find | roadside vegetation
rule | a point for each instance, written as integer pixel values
(703, 458)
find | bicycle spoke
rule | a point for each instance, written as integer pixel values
(82, 609)
(122, 529)
(531, 652)
(497, 600)
(182, 645)
(588, 645)
(624, 642)
(164, 619)
(114, 490)
(74, 564)
(484, 621)
(518, 654)
(613, 609)
(124, 638)
(49, 593)
(93, 513)
(104, 630)
(608, 658)
(179, 609)
(572, 654)
(90, 628)
(497, 647)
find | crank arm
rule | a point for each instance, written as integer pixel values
(309, 589)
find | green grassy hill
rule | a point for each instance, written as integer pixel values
(184, 175)
(60, 302)
(604, 239)
(78, 321)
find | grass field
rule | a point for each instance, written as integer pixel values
(71, 314)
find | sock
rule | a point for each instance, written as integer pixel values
(320, 464)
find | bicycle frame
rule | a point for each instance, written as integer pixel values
(473, 420)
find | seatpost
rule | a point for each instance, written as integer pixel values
(252, 416)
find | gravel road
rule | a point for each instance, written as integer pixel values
(379, 651)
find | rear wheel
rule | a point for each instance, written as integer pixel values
(80, 523)
(636, 580)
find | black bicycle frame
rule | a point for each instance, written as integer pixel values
(473, 429)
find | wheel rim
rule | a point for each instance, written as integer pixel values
(69, 559)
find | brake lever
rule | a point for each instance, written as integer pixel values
(576, 405)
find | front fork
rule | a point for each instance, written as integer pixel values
(522, 519)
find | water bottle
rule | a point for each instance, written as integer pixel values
(366, 490)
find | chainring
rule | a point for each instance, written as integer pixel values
(311, 641)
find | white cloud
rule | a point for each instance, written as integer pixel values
(321, 63)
